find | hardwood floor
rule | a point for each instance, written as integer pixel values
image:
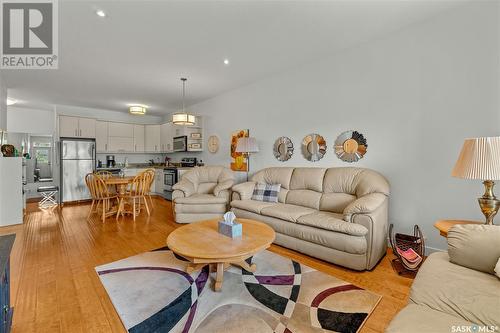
(55, 288)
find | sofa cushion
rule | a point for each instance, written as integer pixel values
(266, 192)
(418, 319)
(334, 240)
(305, 198)
(332, 222)
(307, 179)
(355, 181)
(251, 205)
(180, 208)
(335, 202)
(457, 290)
(286, 212)
(200, 199)
(473, 246)
(275, 175)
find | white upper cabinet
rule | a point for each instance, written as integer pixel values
(121, 129)
(76, 127)
(166, 138)
(68, 126)
(153, 138)
(120, 144)
(139, 138)
(101, 136)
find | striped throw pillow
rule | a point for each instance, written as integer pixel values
(266, 192)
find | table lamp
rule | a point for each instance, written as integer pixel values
(480, 159)
(247, 146)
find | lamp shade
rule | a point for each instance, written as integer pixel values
(479, 159)
(247, 145)
(183, 119)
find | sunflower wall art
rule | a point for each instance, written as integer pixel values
(238, 160)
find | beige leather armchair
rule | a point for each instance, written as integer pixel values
(203, 193)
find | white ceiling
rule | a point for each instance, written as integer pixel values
(140, 50)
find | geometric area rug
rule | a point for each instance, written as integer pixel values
(152, 293)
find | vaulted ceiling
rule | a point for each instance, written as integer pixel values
(138, 52)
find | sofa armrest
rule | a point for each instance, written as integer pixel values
(365, 205)
(371, 211)
(186, 187)
(244, 190)
(223, 186)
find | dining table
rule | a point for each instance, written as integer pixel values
(121, 183)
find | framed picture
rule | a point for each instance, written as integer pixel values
(195, 135)
(195, 145)
(238, 161)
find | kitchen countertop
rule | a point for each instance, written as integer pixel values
(144, 166)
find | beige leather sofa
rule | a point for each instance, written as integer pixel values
(450, 297)
(336, 214)
(203, 193)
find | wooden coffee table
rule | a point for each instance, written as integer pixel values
(202, 245)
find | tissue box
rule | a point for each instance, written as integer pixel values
(231, 230)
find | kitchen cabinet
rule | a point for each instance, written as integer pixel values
(153, 138)
(167, 138)
(120, 144)
(121, 129)
(139, 138)
(77, 127)
(101, 136)
(158, 183)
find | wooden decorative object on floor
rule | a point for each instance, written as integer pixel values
(202, 245)
(101, 195)
(445, 225)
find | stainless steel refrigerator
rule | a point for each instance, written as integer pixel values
(77, 159)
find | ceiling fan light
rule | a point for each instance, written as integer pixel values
(137, 109)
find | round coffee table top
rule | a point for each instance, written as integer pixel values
(201, 240)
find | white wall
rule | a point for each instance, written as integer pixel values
(3, 107)
(415, 95)
(33, 121)
(107, 115)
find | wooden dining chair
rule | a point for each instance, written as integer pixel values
(100, 195)
(104, 174)
(136, 196)
(151, 180)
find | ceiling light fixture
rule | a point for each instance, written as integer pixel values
(137, 109)
(226, 62)
(183, 118)
(11, 101)
(101, 13)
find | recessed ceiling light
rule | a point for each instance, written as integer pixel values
(11, 101)
(101, 13)
(226, 62)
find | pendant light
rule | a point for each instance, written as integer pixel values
(183, 118)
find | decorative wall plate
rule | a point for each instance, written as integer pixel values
(350, 146)
(213, 144)
(283, 149)
(313, 147)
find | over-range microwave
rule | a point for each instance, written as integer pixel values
(180, 143)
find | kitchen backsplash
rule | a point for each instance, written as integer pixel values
(133, 158)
